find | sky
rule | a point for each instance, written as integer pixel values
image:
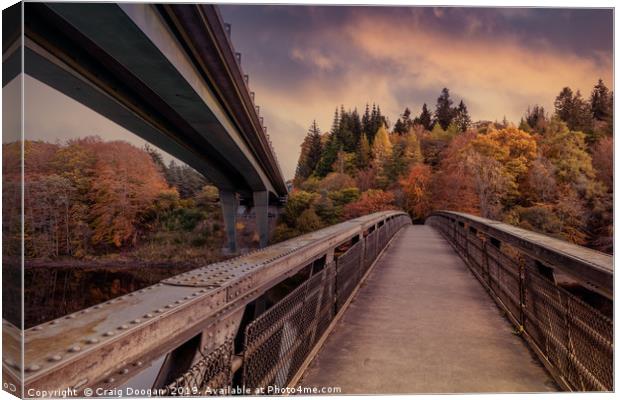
(305, 61)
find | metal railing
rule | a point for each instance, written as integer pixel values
(536, 280)
(201, 331)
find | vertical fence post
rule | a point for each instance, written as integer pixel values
(522, 292)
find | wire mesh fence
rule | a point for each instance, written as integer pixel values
(209, 376)
(573, 337)
(278, 341)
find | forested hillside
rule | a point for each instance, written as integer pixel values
(91, 199)
(549, 172)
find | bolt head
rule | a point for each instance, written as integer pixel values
(33, 368)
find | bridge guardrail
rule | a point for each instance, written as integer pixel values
(531, 276)
(281, 339)
(169, 333)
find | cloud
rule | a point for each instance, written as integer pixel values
(497, 72)
(314, 57)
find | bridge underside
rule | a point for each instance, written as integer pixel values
(422, 323)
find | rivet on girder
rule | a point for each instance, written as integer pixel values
(33, 368)
(92, 341)
(55, 357)
(148, 315)
(136, 321)
(122, 327)
(110, 380)
(74, 349)
(109, 333)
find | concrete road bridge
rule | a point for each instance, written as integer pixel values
(167, 73)
(371, 305)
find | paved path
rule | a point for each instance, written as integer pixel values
(422, 323)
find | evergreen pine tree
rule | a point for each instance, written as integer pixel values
(536, 118)
(425, 118)
(310, 155)
(601, 106)
(444, 113)
(356, 127)
(462, 119)
(366, 128)
(407, 118)
(399, 127)
(574, 110)
(330, 154)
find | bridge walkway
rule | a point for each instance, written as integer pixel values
(422, 323)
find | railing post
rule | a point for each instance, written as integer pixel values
(485, 255)
(522, 292)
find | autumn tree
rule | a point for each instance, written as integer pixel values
(603, 161)
(503, 159)
(371, 201)
(381, 148)
(126, 184)
(453, 186)
(541, 185)
(416, 187)
(363, 152)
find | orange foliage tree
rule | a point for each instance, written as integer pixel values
(371, 201)
(453, 185)
(416, 188)
(603, 161)
(126, 184)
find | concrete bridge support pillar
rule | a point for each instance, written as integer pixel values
(229, 210)
(261, 210)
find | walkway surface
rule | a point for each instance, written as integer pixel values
(422, 323)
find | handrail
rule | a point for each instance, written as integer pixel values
(591, 268)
